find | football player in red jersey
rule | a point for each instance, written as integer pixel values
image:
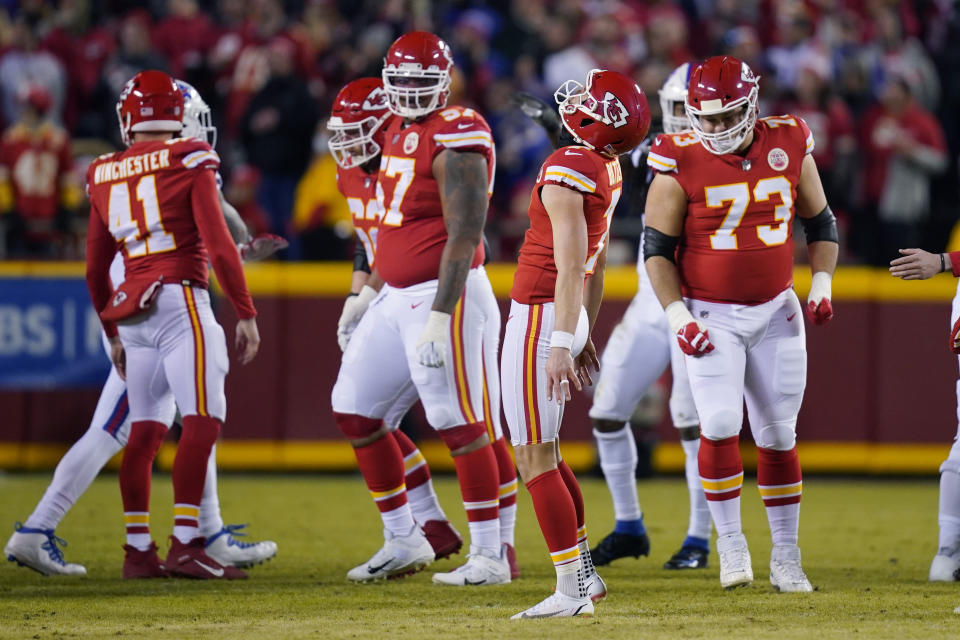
(358, 120)
(556, 296)
(34, 544)
(719, 253)
(164, 339)
(429, 322)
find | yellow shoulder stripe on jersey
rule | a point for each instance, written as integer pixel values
(570, 176)
(198, 157)
(465, 139)
(662, 163)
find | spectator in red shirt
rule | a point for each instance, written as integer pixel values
(37, 190)
(184, 37)
(904, 148)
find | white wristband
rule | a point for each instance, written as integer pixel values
(820, 286)
(562, 340)
(678, 316)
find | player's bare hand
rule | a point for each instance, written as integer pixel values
(248, 339)
(587, 361)
(915, 264)
(560, 375)
(118, 357)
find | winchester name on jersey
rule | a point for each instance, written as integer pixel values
(600, 180)
(359, 188)
(412, 232)
(143, 196)
(737, 240)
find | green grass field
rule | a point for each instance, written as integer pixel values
(867, 547)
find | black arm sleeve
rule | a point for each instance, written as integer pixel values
(360, 257)
(821, 227)
(656, 243)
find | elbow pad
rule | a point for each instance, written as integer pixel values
(360, 257)
(656, 243)
(821, 227)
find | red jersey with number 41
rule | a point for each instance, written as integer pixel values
(737, 240)
(157, 202)
(599, 180)
(412, 232)
(359, 188)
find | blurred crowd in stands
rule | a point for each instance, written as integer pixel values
(877, 81)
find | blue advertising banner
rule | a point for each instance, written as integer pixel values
(50, 336)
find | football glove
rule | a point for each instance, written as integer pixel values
(692, 336)
(263, 246)
(353, 309)
(819, 307)
(955, 337)
(538, 111)
(433, 341)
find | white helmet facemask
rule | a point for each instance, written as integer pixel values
(730, 139)
(413, 91)
(352, 143)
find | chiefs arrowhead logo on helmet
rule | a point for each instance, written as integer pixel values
(614, 111)
(723, 85)
(357, 121)
(376, 100)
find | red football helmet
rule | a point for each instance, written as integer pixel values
(416, 74)
(150, 101)
(723, 85)
(358, 122)
(610, 114)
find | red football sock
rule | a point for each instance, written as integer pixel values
(573, 487)
(779, 477)
(477, 474)
(507, 473)
(721, 474)
(556, 514)
(416, 471)
(142, 446)
(190, 464)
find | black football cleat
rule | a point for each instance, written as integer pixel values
(620, 545)
(688, 558)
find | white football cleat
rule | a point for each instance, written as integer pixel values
(946, 565)
(558, 605)
(38, 549)
(735, 567)
(399, 556)
(596, 588)
(229, 551)
(480, 569)
(786, 574)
